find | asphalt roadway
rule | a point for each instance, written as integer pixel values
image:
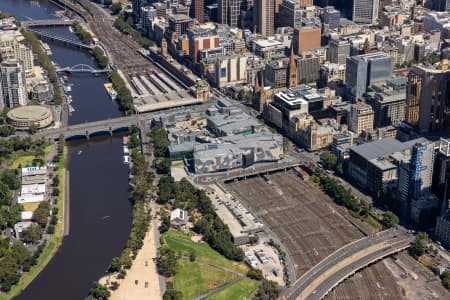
(345, 252)
(326, 285)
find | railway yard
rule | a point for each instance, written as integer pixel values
(121, 48)
(152, 89)
(309, 225)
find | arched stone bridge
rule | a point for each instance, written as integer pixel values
(88, 129)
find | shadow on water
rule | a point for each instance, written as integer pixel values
(98, 180)
(98, 188)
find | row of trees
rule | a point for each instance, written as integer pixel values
(123, 93)
(344, 196)
(140, 185)
(124, 23)
(161, 150)
(100, 57)
(46, 63)
(14, 145)
(188, 197)
(84, 35)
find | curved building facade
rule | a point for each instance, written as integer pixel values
(24, 117)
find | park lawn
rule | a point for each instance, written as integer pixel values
(22, 160)
(237, 291)
(182, 243)
(195, 278)
(27, 159)
(178, 163)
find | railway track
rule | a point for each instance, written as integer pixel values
(310, 225)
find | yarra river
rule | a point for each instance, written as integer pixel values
(100, 213)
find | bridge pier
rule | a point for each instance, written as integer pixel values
(87, 135)
(110, 131)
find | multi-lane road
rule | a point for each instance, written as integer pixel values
(319, 280)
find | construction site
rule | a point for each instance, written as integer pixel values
(309, 225)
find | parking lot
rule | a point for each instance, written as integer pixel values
(309, 225)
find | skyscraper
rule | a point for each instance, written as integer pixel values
(305, 39)
(290, 14)
(364, 70)
(229, 12)
(13, 84)
(427, 98)
(365, 11)
(263, 16)
(331, 16)
(137, 5)
(197, 10)
(338, 51)
(12, 47)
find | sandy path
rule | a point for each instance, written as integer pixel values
(128, 290)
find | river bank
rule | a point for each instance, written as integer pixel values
(55, 240)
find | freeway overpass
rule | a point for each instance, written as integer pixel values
(344, 262)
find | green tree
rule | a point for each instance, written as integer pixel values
(99, 291)
(133, 141)
(389, 219)
(41, 214)
(168, 264)
(5, 194)
(329, 159)
(171, 293)
(193, 256)
(116, 8)
(268, 290)
(9, 177)
(6, 130)
(32, 234)
(163, 165)
(418, 245)
(255, 274)
(116, 265)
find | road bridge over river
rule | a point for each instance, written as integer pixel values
(88, 129)
(344, 262)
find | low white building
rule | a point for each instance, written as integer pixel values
(32, 189)
(30, 198)
(178, 218)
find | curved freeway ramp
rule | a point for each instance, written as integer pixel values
(344, 262)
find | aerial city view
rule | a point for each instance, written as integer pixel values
(224, 149)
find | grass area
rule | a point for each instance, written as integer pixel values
(427, 261)
(373, 223)
(22, 160)
(178, 163)
(182, 243)
(52, 245)
(195, 278)
(27, 159)
(237, 291)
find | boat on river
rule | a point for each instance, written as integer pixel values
(111, 91)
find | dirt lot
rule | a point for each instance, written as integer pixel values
(415, 280)
(310, 226)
